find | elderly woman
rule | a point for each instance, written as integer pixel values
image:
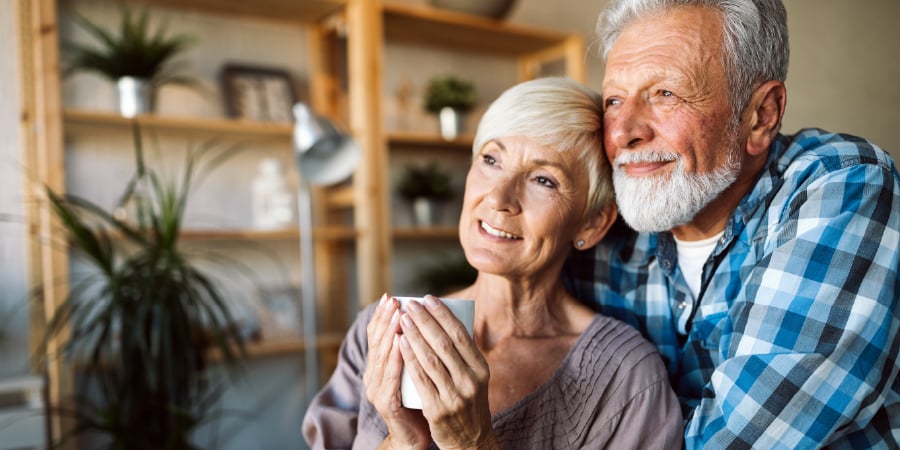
(542, 371)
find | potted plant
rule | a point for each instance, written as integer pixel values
(139, 60)
(140, 327)
(422, 186)
(445, 276)
(450, 97)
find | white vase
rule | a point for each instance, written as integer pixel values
(135, 96)
(451, 122)
(424, 210)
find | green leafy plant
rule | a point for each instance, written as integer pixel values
(449, 90)
(137, 51)
(429, 181)
(140, 327)
(445, 276)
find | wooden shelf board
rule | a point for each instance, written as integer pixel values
(84, 119)
(442, 232)
(302, 11)
(429, 25)
(280, 347)
(419, 139)
(319, 233)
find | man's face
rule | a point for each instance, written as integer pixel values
(668, 126)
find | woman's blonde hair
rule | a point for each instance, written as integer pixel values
(559, 113)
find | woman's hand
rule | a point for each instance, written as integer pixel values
(407, 428)
(450, 374)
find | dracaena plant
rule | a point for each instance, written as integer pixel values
(136, 50)
(139, 328)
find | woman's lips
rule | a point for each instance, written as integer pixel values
(496, 232)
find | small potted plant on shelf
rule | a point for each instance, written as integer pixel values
(450, 97)
(139, 60)
(423, 187)
(139, 327)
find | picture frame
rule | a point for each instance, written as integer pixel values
(279, 312)
(264, 94)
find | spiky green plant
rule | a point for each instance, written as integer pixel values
(139, 329)
(136, 51)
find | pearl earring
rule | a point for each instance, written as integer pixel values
(580, 243)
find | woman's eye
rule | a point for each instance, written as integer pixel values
(544, 181)
(666, 93)
(488, 160)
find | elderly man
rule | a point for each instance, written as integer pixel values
(763, 266)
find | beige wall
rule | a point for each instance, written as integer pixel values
(13, 275)
(845, 61)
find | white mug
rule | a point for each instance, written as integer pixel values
(464, 310)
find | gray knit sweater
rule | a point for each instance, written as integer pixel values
(611, 391)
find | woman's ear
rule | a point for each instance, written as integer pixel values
(764, 113)
(596, 227)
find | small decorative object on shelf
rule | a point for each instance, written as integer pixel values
(450, 97)
(423, 187)
(495, 9)
(258, 93)
(138, 60)
(272, 199)
(279, 314)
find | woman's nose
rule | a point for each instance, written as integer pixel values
(629, 125)
(504, 195)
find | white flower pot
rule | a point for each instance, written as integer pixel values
(135, 96)
(451, 122)
(424, 210)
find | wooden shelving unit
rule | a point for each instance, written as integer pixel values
(346, 60)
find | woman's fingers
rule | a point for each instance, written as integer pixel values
(449, 339)
(381, 331)
(434, 349)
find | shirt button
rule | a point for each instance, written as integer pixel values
(667, 264)
(682, 305)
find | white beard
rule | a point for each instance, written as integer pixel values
(660, 203)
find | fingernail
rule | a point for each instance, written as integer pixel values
(404, 342)
(413, 306)
(431, 301)
(395, 317)
(383, 299)
(407, 321)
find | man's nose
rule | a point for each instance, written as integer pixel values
(629, 126)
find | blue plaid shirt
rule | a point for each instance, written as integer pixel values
(793, 342)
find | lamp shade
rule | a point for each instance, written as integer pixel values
(325, 155)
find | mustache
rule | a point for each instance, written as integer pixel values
(645, 156)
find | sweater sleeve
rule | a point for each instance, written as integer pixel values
(331, 420)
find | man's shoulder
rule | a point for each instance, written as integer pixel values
(827, 151)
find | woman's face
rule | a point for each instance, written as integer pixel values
(523, 205)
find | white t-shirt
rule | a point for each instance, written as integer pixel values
(692, 255)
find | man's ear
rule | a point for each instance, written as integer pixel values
(596, 227)
(764, 113)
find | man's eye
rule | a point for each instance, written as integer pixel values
(612, 102)
(666, 93)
